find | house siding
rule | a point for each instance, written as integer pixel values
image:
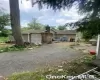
(25, 37)
(59, 36)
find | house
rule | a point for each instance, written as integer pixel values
(65, 35)
(41, 36)
(35, 36)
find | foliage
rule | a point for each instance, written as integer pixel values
(4, 33)
(88, 27)
(71, 69)
(35, 25)
(4, 21)
(91, 7)
(7, 46)
(61, 28)
(86, 35)
(12, 48)
(53, 27)
(4, 39)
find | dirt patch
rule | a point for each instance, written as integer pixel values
(4, 45)
(83, 47)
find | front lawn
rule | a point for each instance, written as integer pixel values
(4, 47)
(4, 39)
(69, 69)
(9, 47)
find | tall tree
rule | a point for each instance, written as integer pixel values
(61, 28)
(34, 24)
(15, 21)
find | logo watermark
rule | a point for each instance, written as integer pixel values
(69, 77)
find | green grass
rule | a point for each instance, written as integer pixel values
(4, 39)
(69, 69)
(12, 48)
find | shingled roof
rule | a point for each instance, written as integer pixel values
(32, 31)
(66, 31)
(55, 31)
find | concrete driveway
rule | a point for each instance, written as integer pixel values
(47, 55)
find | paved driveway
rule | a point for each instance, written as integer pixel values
(47, 55)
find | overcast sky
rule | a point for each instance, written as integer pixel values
(44, 16)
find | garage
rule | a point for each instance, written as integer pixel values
(35, 38)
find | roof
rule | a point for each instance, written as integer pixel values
(66, 31)
(57, 31)
(32, 31)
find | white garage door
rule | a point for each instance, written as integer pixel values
(36, 38)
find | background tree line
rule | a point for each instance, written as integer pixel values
(36, 25)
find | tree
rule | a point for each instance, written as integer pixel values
(53, 27)
(15, 21)
(87, 26)
(4, 21)
(34, 24)
(61, 28)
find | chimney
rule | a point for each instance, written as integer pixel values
(47, 29)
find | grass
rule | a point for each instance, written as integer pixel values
(4, 39)
(69, 69)
(11, 48)
(4, 47)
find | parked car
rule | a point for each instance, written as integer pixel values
(64, 38)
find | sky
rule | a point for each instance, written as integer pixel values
(44, 16)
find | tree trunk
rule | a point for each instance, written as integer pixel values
(15, 21)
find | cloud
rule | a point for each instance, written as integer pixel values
(69, 16)
(24, 23)
(63, 21)
(5, 5)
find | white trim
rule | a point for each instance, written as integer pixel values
(28, 38)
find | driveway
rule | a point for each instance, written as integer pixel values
(47, 55)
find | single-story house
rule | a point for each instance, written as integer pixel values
(35, 36)
(65, 35)
(40, 36)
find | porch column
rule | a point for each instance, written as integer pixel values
(28, 37)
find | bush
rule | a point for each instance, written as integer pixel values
(4, 33)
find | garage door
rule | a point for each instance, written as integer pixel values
(36, 38)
